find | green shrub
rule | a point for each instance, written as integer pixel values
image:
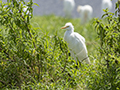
(107, 76)
(25, 57)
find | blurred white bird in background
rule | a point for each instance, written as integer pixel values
(106, 4)
(76, 43)
(25, 10)
(85, 13)
(68, 7)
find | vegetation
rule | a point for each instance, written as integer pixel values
(33, 54)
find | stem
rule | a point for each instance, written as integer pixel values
(29, 31)
(119, 10)
(40, 69)
(7, 55)
(65, 62)
(5, 84)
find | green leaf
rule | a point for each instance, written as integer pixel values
(36, 4)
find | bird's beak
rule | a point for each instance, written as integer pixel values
(64, 27)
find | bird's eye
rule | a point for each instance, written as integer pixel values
(67, 26)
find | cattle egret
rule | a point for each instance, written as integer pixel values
(106, 4)
(85, 13)
(68, 7)
(76, 43)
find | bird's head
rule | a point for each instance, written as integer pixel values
(79, 9)
(68, 26)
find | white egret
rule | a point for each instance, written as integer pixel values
(85, 13)
(106, 4)
(76, 43)
(68, 7)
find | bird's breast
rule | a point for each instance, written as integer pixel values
(74, 43)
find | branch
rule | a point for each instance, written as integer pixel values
(119, 10)
(65, 62)
(28, 31)
(7, 55)
(3, 83)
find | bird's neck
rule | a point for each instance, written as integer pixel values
(70, 31)
(67, 35)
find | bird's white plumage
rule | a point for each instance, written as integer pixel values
(68, 7)
(85, 13)
(76, 43)
(106, 4)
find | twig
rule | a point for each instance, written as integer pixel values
(29, 31)
(65, 62)
(3, 83)
(119, 10)
(7, 55)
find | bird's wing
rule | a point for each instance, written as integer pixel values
(76, 42)
(81, 51)
(79, 37)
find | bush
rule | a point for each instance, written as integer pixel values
(108, 32)
(26, 57)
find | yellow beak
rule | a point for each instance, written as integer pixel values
(64, 27)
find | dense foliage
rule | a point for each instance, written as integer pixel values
(33, 54)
